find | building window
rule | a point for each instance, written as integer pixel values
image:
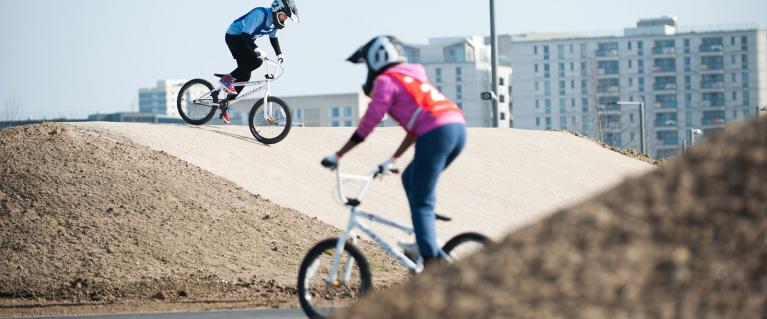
(744, 43)
(336, 124)
(502, 98)
(348, 111)
(458, 74)
(500, 81)
(545, 52)
(538, 121)
(335, 112)
(561, 51)
(536, 68)
(348, 123)
(535, 50)
(438, 73)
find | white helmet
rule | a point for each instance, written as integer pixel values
(379, 54)
(286, 6)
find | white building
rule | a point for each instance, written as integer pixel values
(160, 99)
(701, 78)
(460, 68)
(329, 110)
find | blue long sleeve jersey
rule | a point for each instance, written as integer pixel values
(257, 23)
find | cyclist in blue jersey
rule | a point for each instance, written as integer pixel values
(241, 36)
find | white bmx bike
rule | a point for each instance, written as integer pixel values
(269, 119)
(335, 273)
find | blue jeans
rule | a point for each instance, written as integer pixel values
(434, 151)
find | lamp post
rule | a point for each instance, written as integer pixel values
(494, 62)
(693, 132)
(642, 139)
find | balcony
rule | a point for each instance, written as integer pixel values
(713, 103)
(713, 121)
(663, 69)
(712, 85)
(666, 105)
(606, 53)
(664, 50)
(712, 66)
(708, 48)
(664, 87)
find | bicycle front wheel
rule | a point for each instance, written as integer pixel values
(318, 297)
(270, 122)
(196, 102)
(465, 244)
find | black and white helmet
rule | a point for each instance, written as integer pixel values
(286, 6)
(380, 52)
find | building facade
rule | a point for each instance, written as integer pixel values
(160, 99)
(691, 81)
(460, 68)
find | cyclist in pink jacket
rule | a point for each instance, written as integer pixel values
(435, 124)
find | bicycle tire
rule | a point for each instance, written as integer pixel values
(465, 238)
(284, 111)
(190, 117)
(319, 250)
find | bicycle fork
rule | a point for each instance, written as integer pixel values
(333, 279)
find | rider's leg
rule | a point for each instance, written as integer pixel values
(434, 151)
(243, 50)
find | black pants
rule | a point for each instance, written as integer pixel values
(242, 48)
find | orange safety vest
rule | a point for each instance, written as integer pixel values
(425, 95)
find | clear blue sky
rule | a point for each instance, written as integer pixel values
(75, 57)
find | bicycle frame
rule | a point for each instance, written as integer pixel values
(356, 223)
(262, 85)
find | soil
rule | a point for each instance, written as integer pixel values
(629, 152)
(90, 224)
(687, 240)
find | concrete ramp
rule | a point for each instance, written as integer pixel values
(505, 178)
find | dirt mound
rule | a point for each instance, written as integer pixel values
(89, 219)
(629, 152)
(688, 240)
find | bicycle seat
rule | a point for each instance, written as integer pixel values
(220, 75)
(443, 218)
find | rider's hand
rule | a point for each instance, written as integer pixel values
(387, 166)
(330, 161)
(281, 58)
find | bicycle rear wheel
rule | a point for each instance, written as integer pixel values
(465, 244)
(317, 297)
(270, 123)
(196, 102)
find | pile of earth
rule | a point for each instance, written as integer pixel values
(688, 240)
(86, 219)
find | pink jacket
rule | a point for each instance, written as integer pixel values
(389, 96)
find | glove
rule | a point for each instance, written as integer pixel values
(387, 167)
(281, 58)
(330, 161)
(259, 53)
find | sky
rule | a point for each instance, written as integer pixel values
(70, 58)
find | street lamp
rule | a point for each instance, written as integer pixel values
(693, 132)
(642, 141)
(494, 61)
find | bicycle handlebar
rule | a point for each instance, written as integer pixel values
(278, 67)
(378, 171)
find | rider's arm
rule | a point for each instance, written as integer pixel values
(406, 143)
(383, 96)
(276, 45)
(384, 91)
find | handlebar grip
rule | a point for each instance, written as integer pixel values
(329, 164)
